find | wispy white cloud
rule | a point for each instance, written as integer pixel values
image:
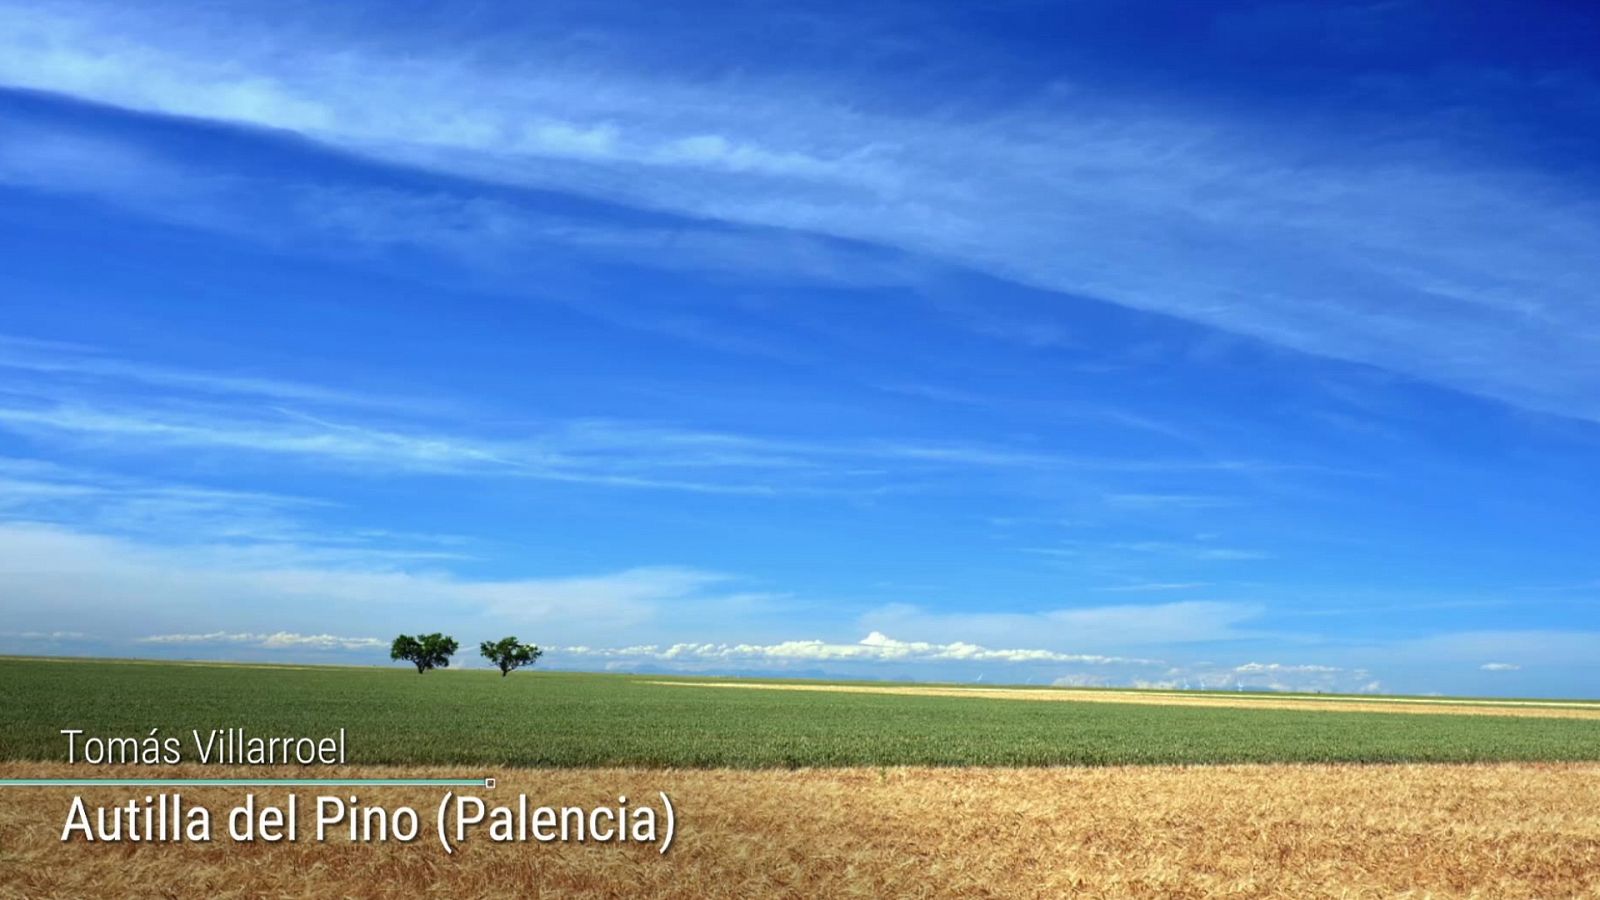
(45, 635)
(1203, 550)
(1255, 668)
(1090, 627)
(274, 641)
(1155, 502)
(263, 525)
(103, 371)
(51, 575)
(190, 410)
(874, 647)
(36, 491)
(281, 434)
(1343, 256)
(1500, 667)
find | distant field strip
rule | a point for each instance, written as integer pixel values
(1256, 831)
(1544, 709)
(394, 716)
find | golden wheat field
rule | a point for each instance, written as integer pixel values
(1516, 830)
(1538, 709)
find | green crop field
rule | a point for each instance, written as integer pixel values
(561, 719)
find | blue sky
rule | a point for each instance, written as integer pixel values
(1199, 344)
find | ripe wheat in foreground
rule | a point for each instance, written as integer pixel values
(1506, 830)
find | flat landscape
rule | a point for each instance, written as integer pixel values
(545, 719)
(807, 789)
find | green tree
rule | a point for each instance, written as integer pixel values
(425, 651)
(509, 655)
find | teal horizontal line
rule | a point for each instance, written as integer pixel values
(242, 782)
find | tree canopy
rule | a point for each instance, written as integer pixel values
(425, 651)
(509, 654)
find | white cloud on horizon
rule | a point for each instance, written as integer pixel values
(877, 649)
(1273, 676)
(227, 597)
(277, 640)
(874, 647)
(285, 598)
(1081, 679)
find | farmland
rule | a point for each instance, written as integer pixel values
(1500, 830)
(811, 789)
(545, 719)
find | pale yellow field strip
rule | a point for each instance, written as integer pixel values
(1504, 831)
(1528, 708)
